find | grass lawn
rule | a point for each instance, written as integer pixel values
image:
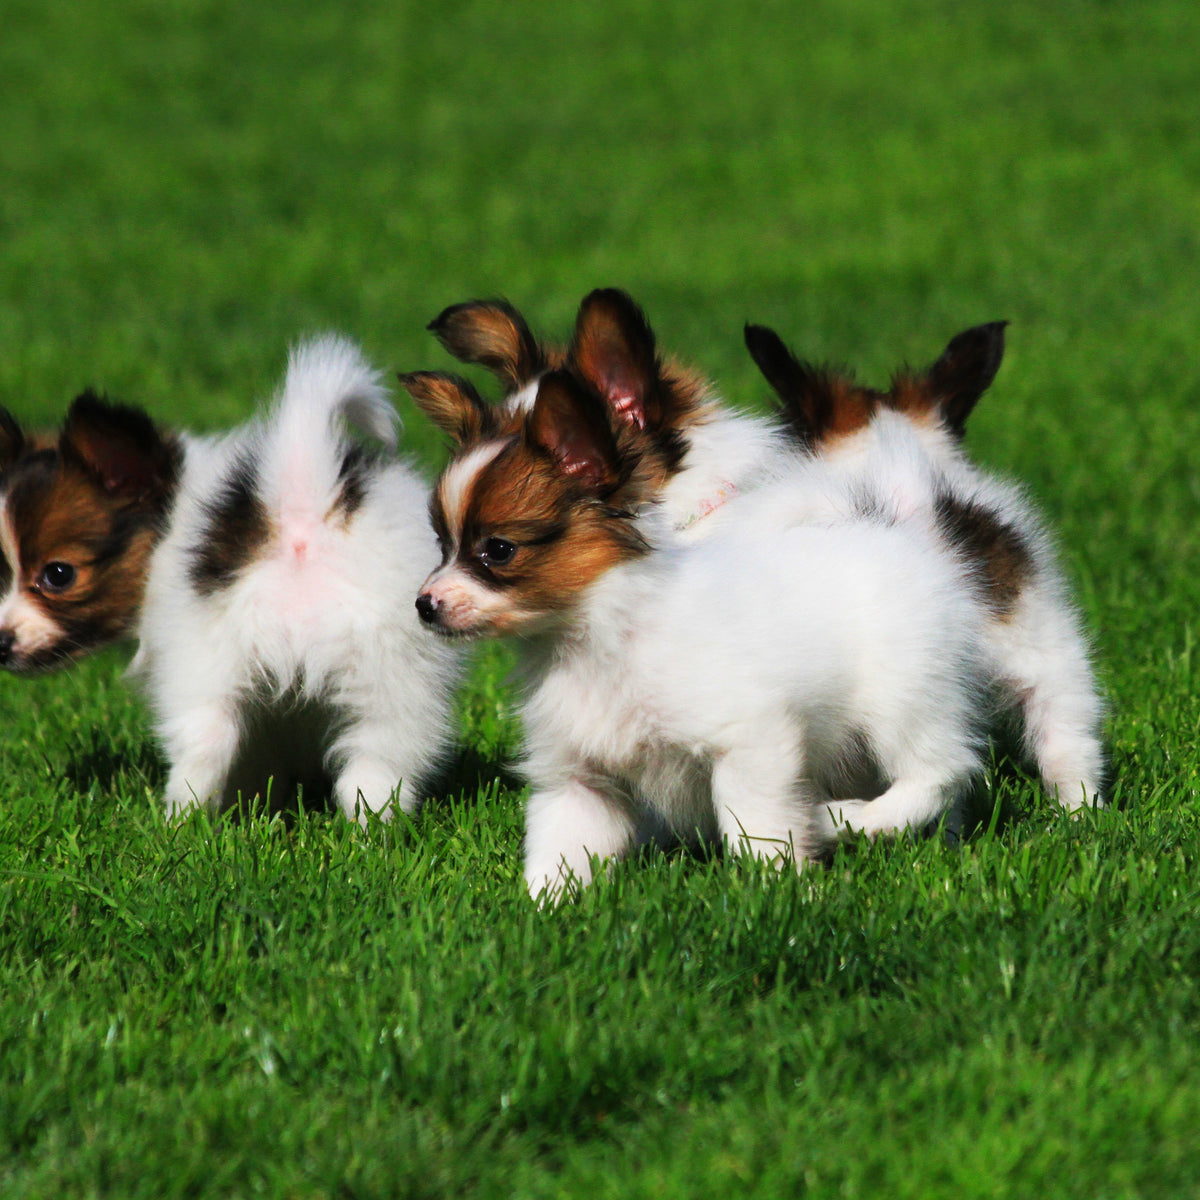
(297, 1008)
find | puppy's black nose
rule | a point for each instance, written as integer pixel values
(427, 608)
(7, 641)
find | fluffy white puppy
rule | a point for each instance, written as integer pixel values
(275, 640)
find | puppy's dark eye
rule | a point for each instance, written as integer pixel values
(496, 551)
(56, 577)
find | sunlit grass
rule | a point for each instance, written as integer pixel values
(291, 1007)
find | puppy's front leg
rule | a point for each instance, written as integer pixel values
(759, 798)
(201, 744)
(366, 784)
(564, 827)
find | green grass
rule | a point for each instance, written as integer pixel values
(295, 1008)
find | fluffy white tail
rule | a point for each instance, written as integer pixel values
(329, 385)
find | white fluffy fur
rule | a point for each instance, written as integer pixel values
(722, 688)
(312, 658)
(1037, 655)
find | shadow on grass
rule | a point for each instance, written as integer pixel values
(111, 768)
(468, 776)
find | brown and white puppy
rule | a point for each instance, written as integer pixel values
(722, 687)
(79, 517)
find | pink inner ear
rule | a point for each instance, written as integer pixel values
(627, 407)
(577, 456)
(623, 391)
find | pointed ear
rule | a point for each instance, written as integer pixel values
(493, 334)
(12, 440)
(572, 426)
(120, 448)
(451, 403)
(964, 372)
(614, 350)
(808, 396)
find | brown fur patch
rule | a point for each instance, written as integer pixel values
(850, 408)
(237, 527)
(911, 396)
(1000, 560)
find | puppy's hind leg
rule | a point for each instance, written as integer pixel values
(1061, 717)
(929, 776)
(1042, 660)
(910, 803)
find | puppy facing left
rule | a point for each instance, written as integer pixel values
(79, 517)
(274, 641)
(723, 689)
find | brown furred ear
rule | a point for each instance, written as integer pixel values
(12, 440)
(964, 372)
(803, 392)
(451, 403)
(614, 350)
(819, 404)
(120, 447)
(571, 425)
(493, 334)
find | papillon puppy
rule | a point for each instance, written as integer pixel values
(901, 451)
(79, 516)
(273, 639)
(718, 687)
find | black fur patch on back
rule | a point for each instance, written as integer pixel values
(237, 527)
(1000, 560)
(357, 465)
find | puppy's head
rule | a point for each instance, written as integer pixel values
(651, 404)
(531, 511)
(826, 408)
(78, 519)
